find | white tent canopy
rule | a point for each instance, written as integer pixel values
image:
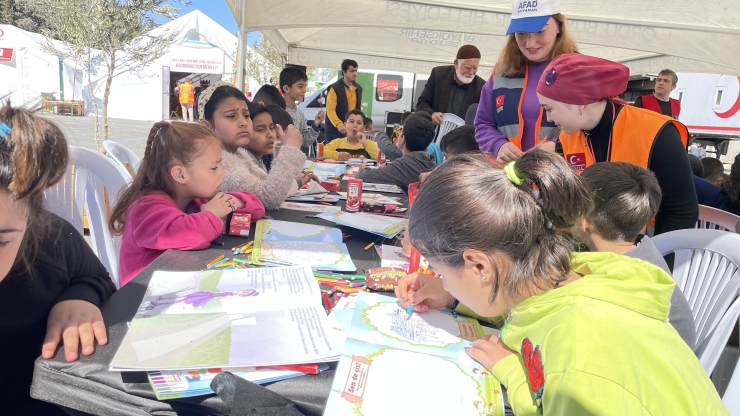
(414, 36)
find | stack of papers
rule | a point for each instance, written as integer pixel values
(325, 170)
(383, 226)
(300, 206)
(176, 384)
(381, 187)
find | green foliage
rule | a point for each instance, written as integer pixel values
(24, 14)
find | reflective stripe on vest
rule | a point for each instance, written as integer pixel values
(186, 94)
(633, 134)
(509, 121)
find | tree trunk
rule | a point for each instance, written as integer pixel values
(108, 82)
(94, 102)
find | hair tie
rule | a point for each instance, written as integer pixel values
(511, 174)
(4, 128)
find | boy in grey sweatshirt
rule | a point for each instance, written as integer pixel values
(626, 197)
(418, 132)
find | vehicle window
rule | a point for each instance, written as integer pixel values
(389, 88)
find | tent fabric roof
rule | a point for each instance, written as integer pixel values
(197, 27)
(416, 35)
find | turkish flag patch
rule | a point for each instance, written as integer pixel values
(499, 101)
(577, 161)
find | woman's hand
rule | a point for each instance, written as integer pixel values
(74, 321)
(424, 291)
(489, 351)
(509, 153)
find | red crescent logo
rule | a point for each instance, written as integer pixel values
(733, 110)
(1, 33)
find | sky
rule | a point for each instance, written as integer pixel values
(216, 10)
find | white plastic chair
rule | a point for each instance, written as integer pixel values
(706, 271)
(89, 175)
(731, 398)
(716, 219)
(716, 342)
(122, 155)
(449, 122)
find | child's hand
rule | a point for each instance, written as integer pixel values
(220, 205)
(307, 177)
(362, 138)
(289, 137)
(74, 322)
(344, 156)
(362, 166)
(319, 118)
(236, 202)
(424, 291)
(489, 351)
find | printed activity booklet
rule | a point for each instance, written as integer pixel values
(381, 187)
(379, 199)
(228, 318)
(387, 227)
(292, 243)
(314, 188)
(428, 348)
(313, 198)
(325, 170)
(176, 384)
(300, 206)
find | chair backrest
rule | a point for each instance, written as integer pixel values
(706, 271)
(716, 342)
(731, 398)
(716, 219)
(90, 178)
(122, 155)
(449, 123)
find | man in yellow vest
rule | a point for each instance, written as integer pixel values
(578, 93)
(187, 98)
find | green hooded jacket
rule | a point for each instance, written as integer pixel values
(603, 345)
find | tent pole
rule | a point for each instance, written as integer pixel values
(242, 52)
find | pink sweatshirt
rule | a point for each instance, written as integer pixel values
(154, 224)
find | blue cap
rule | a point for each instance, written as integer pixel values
(527, 24)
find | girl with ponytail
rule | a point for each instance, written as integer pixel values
(174, 201)
(51, 283)
(586, 333)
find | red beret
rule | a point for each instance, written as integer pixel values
(578, 79)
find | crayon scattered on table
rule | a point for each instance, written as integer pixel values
(328, 301)
(311, 216)
(216, 264)
(216, 260)
(367, 247)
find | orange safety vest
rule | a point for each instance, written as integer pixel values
(187, 93)
(633, 134)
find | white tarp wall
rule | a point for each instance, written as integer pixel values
(414, 36)
(136, 96)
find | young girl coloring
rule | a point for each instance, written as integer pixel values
(175, 201)
(587, 333)
(51, 283)
(224, 111)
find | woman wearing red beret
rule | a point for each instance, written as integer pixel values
(509, 119)
(576, 93)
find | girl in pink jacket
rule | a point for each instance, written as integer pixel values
(175, 201)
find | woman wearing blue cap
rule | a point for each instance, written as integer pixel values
(509, 120)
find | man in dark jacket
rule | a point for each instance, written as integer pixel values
(344, 95)
(418, 132)
(453, 88)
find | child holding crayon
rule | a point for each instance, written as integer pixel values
(587, 333)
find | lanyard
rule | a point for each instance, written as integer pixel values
(611, 130)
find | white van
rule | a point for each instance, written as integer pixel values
(383, 92)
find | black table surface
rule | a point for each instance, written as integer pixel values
(54, 378)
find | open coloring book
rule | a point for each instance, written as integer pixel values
(283, 242)
(387, 227)
(386, 356)
(228, 318)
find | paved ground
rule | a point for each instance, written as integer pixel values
(80, 131)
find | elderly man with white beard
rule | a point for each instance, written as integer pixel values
(453, 88)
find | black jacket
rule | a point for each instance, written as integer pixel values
(436, 94)
(342, 108)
